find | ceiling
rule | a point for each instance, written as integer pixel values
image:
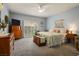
(32, 8)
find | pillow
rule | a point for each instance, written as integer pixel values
(54, 30)
(58, 31)
(62, 30)
(51, 30)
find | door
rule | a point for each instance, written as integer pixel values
(29, 31)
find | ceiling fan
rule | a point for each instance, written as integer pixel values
(41, 7)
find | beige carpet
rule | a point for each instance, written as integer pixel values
(26, 47)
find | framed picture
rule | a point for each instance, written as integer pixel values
(59, 23)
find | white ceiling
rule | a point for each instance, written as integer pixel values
(32, 8)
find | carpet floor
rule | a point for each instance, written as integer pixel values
(26, 47)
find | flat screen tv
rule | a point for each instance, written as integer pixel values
(15, 22)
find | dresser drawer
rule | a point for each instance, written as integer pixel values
(16, 28)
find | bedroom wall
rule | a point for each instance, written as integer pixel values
(71, 18)
(25, 19)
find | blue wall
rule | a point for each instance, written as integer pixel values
(4, 11)
(70, 17)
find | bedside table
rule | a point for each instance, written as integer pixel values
(77, 42)
(70, 38)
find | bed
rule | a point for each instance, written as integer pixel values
(52, 38)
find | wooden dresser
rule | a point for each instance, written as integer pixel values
(16, 29)
(71, 38)
(7, 45)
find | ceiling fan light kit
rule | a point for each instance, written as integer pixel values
(41, 7)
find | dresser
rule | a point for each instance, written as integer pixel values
(70, 38)
(7, 45)
(16, 29)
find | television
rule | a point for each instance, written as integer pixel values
(15, 22)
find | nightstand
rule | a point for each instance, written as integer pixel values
(70, 38)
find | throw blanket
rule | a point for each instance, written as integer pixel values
(53, 38)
